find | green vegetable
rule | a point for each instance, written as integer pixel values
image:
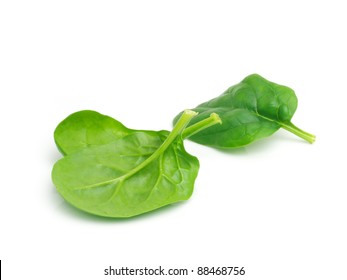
(250, 110)
(113, 171)
(86, 129)
(110, 170)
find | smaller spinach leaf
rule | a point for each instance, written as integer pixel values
(250, 110)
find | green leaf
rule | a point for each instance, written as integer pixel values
(85, 129)
(136, 172)
(250, 110)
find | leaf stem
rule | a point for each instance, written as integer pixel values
(201, 125)
(299, 132)
(178, 128)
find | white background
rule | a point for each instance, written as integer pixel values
(277, 207)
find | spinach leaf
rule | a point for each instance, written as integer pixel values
(122, 172)
(250, 110)
(85, 129)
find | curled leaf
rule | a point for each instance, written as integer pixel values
(250, 110)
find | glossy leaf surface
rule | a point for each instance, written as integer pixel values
(136, 172)
(250, 110)
(85, 129)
